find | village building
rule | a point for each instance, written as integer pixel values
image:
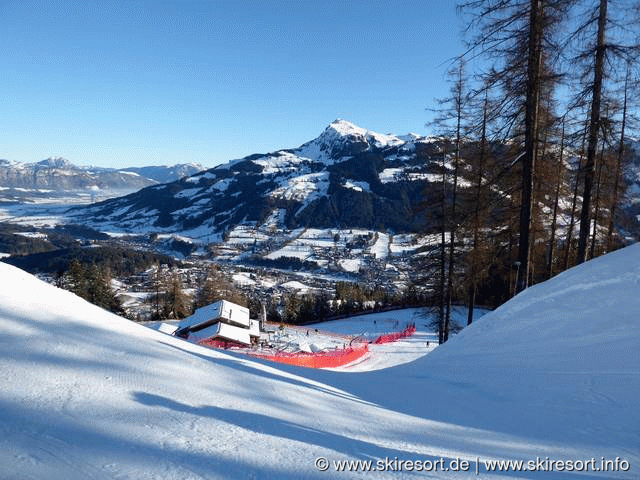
(221, 321)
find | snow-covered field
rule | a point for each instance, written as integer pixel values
(37, 214)
(553, 373)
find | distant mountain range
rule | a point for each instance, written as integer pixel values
(58, 174)
(347, 177)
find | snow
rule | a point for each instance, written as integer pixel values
(223, 185)
(243, 279)
(231, 312)
(46, 215)
(403, 244)
(293, 250)
(166, 328)
(206, 175)
(244, 235)
(305, 188)
(555, 372)
(395, 174)
(389, 174)
(344, 128)
(350, 264)
(32, 234)
(132, 174)
(188, 192)
(276, 219)
(280, 162)
(357, 186)
(296, 286)
(338, 133)
(380, 249)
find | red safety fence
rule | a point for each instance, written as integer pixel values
(311, 329)
(217, 343)
(333, 358)
(327, 359)
(392, 337)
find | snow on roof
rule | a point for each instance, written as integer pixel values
(222, 309)
(350, 264)
(167, 328)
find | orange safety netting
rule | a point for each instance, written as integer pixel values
(392, 337)
(219, 343)
(333, 358)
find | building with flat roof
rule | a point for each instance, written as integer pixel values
(222, 320)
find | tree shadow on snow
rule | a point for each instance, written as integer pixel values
(267, 425)
(362, 450)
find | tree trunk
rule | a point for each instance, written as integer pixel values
(619, 160)
(459, 92)
(534, 64)
(594, 129)
(443, 255)
(596, 213)
(572, 220)
(552, 240)
(476, 216)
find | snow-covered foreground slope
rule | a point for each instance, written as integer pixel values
(554, 373)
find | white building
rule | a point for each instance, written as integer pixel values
(221, 320)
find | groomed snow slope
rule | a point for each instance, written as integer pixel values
(555, 372)
(558, 367)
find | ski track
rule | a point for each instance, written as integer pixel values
(87, 395)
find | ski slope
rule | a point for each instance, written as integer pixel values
(553, 373)
(381, 356)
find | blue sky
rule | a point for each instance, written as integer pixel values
(122, 83)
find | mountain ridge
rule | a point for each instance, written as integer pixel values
(347, 176)
(59, 174)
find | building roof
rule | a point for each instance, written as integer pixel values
(213, 313)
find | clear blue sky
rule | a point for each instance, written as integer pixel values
(124, 83)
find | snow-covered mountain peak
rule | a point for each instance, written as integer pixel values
(55, 162)
(344, 128)
(342, 138)
(309, 183)
(60, 175)
(7, 163)
(410, 137)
